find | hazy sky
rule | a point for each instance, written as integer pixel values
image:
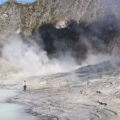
(1, 1)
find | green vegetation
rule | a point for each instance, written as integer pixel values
(33, 29)
(18, 4)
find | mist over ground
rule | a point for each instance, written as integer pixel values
(54, 50)
(88, 55)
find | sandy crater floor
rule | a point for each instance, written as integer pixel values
(84, 94)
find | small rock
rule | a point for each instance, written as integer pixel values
(98, 91)
(102, 103)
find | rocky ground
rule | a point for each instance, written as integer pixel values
(87, 93)
(29, 16)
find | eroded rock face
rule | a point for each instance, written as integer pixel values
(29, 16)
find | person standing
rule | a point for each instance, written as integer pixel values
(24, 85)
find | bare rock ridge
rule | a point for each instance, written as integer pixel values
(29, 16)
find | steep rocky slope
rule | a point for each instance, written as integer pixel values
(29, 16)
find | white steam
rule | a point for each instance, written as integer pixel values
(34, 61)
(95, 59)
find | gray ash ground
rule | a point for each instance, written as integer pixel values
(83, 94)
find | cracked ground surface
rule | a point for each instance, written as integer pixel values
(84, 94)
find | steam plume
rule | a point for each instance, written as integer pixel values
(58, 50)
